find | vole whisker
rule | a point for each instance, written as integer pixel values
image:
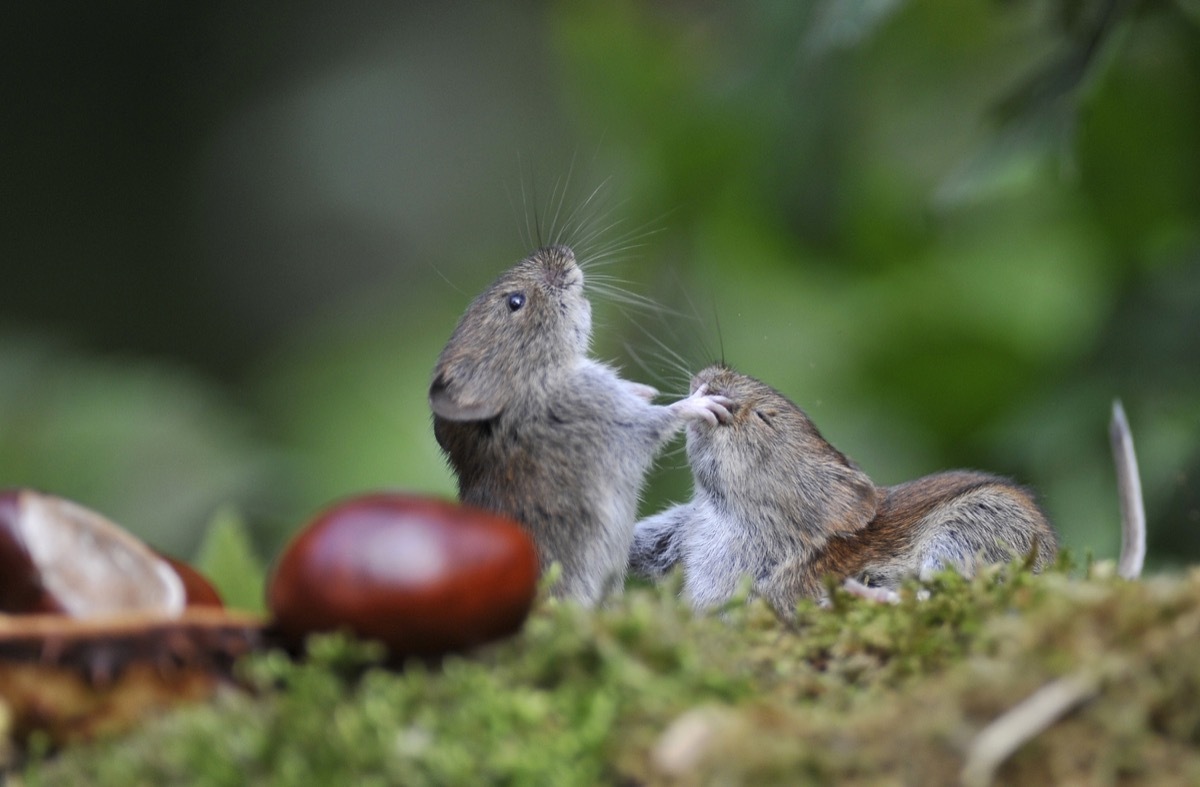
(578, 220)
(623, 297)
(446, 279)
(612, 255)
(678, 361)
(596, 228)
(675, 374)
(675, 457)
(619, 247)
(600, 224)
(556, 231)
(523, 216)
(685, 290)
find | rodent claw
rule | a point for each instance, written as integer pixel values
(722, 406)
(719, 411)
(712, 410)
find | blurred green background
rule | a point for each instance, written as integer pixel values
(235, 236)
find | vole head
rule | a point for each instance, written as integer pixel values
(765, 425)
(771, 454)
(531, 322)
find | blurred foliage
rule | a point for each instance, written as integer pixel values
(148, 444)
(952, 230)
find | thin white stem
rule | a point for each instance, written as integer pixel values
(1129, 490)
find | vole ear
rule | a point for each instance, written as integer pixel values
(856, 500)
(449, 398)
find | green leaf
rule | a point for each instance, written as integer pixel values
(229, 561)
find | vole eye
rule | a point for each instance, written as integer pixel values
(515, 301)
(766, 419)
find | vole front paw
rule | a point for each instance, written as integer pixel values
(702, 406)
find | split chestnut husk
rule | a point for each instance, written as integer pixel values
(97, 629)
(75, 679)
(58, 557)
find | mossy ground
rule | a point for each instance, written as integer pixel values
(643, 691)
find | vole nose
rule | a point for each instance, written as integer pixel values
(559, 267)
(560, 253)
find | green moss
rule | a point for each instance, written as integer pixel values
(645, 692)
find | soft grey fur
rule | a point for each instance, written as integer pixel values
(775, 502)
(535, 429)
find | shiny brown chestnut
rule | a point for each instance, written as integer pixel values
(58, 557)
(423, 576)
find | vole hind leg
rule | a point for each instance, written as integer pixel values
(883, 595)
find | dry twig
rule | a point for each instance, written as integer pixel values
(1023, 722)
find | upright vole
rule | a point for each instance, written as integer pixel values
(775, 502)
(537, 430)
